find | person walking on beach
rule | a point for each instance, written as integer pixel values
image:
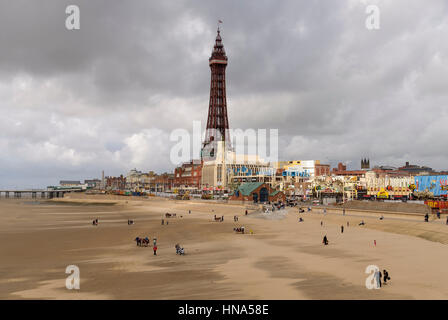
(348, 223)
(321, 223)
(246, 212)
(386, 276)
(325, 210)
(426, 217)
(438, 214)
(343, 212)
(378, 278)
(155, 250)
(325, 240)
(342, 229)
(189, 211)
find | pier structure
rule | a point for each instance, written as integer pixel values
(37, 193)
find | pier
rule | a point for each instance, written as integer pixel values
(35, 193)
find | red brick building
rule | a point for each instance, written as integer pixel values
(321, 170)
(341, 170)
(164, 182)
(116, 183)
(341, 167)
(188, 175)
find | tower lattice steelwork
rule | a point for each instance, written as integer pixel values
(217, 121)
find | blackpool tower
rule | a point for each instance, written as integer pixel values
(217, 121)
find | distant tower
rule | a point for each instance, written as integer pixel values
(365, 164)
(217, 121)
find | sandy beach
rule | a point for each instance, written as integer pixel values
(281, 259)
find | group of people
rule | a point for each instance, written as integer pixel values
(384, 275)
(142, 241)
(95, 222)
(239, 229)
(235, 218)
(145, 242)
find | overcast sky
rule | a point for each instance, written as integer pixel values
(107, 96)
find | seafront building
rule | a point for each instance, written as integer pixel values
(70, 183)
(188, 176)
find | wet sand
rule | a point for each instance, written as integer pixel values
(282, 259)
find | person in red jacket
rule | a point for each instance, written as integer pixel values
(155, 250)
